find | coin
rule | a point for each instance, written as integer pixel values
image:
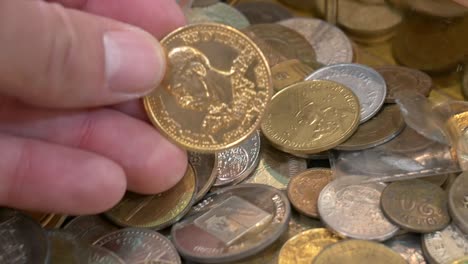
(303, 248)
(352, 209)
(304, 190)
(232, 223)
(276, 168)
(271, 54)
(365, 82)
(446, 245)
(289, 72)
(357, 252)
(465, 81)
(22, 240)
(409, 141)
(285, 41)
(463, 260)
(398, 77)
(438, 180)
(331, 45)
(210, 102)
(458, 201)
(204, 168)
(383, 127)
(55, 221)
(138, 245)
(298, 4)
(236, 164)
(409, 247)
(156, 211)
(204, 3)
(218, 13)
(64, 248)
(263, 12)
(434, 8)
(88, 228)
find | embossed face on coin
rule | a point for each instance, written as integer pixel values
(210, 102)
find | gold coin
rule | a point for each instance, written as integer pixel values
(55, 221)
(156, 211)
(289, 72)
(358, 252)
(311, 116)
(303, 248)
(215, 91)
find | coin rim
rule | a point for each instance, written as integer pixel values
(457, 219)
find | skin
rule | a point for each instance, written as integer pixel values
(73, 133)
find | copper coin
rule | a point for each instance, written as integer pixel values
(263, 12)
(416, 205)
(437, 179)
(205, 172)
(88, 228)
(304, 190)
(398, 77)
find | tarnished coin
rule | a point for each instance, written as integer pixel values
(285, 41)
(205, 171)
(409, 141)
(383, 127)
(22, 240)
(445, 246)
(416, 205)
(299, 4)
(156, 211)
(88, 228)
(263, 12)
(365, 82)
(64, 248)
(358, 252)
(398, 77)
(217, 89)
(218, 13)
(458, 201)
(331, 45)
(235, 164)
(438, 180)
(276, 168)
(303, 248)
(232, 223)
(352, 209)
(289, 72)
(138, 245)
(310, 117)
(409, 247)
(304, 190)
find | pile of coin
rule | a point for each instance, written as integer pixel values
(260, 99)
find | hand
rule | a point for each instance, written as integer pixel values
(61, 149)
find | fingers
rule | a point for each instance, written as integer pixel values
(35, 175)
(59, 57)
(132, 108)
(151, 163)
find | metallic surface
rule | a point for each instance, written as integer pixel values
(263, 12)
(217, 13)
(446, 245)
(289, 72)
(409, 247)
(205, 171)
(88, 228)
(458, 201)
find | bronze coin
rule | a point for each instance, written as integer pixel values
(258, 12)
(205, 172)
(88, 228)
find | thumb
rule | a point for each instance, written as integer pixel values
(57, 57)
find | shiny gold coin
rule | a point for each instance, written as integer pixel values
(289, 72)
(358, 252)
(304, 189)
(156, 211)
(463, 260)
(311, 116)
(215, 91)
(55, 221)
(303, 248)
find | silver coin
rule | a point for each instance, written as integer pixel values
(204, 3)
(458, 201)
(235, 164)
(331, 45)
(263, 12)
(409, 247)
(22, 240)
(220, 13)
(233, 223)
(138, 245)
(352, 209)
(445, 246)
(88, 228)
(366, 83)
(205, 171)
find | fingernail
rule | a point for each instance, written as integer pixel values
(134, 61)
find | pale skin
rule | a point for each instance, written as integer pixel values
(73, 134)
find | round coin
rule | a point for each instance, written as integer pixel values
(352, 209)
(310, 117)
(204, 3)
(137, 245)
(304, 190)
(357, 252)
(263, 12)
(365, 82)
(409, 141)
(218, 13)
(445, 246)
(232, 223)
(303, 248)
(217, 89)
(416, 205)
(465, 81)
(289, 72)
(55, 221)
(156, 211)
(398, 77)
(409, 247)
(22, 240)
(331, 45)
(383, 127)
(458, 201)
(235, 164)
(438, 180)
(88, 228)
(204, 168)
